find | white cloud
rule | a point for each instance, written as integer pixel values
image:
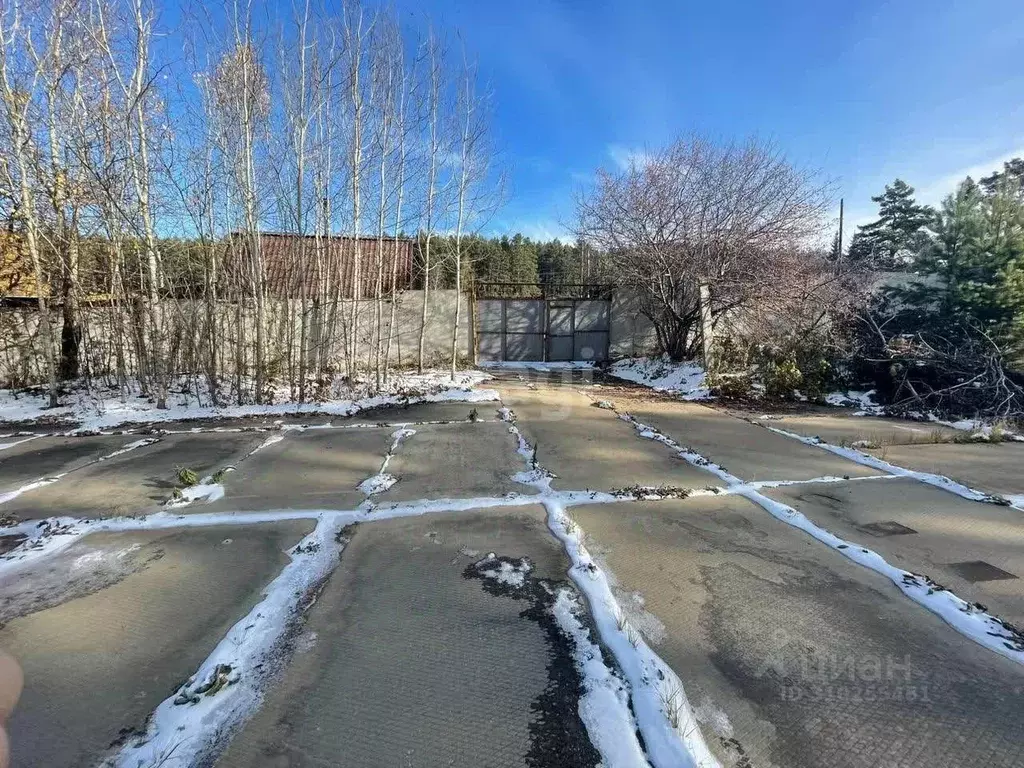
(934, 191)
(541, 229)
(929, 188)
(624, 157)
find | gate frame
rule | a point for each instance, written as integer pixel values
(505, 291)
(550, 304)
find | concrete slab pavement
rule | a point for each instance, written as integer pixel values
(49, 456)
(456, 460)
(992, 468)
(404, 661)
(793, 656)
(135, 482)
(312, 469)
(391, 414)
(99, 658)
(591, 448)
(934, 532)
(747, 451)
(845, 429)
(418, 412)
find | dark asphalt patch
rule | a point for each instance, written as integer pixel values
(558, 738)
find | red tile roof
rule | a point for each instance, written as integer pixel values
(297, 265)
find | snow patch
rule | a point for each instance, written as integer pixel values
(534, 474)
(377, 483)
(91, 560)
(714, 717)
(604, 706)
(206, 490)
(15, 493)
(687, 380)
(99, 409)
(382, 480)
(130, 447)
(265, 444)
(852, 398)
(663, 713)
(12, 443)
(42, 539)
(512, 574)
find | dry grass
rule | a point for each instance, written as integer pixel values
(672, 705)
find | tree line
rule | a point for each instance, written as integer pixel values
(952, 336)
(153, 155)
(516, 265)
(728, 241)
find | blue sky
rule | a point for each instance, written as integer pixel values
(865, 90)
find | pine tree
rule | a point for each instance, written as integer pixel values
(978, 260)
(955, 255)
(894, 241)
(1013, 171)
(836, 252)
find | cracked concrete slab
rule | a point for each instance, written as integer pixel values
(312, 469)
(591, 448)
(136, 482)
(944, 529)
(991, 468)
(746, 451)
(456, 460)
(133, 616)
(793, 656)
(404, 661)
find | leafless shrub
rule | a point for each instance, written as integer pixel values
(733, 217)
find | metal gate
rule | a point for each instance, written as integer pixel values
(539, 330)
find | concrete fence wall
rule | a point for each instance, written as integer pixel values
(22, 342)
(631, 333)
(106, 347)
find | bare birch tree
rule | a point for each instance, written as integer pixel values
(476, 192)
(404, 130)
(435, 56)
(19, 80)
(157, 192)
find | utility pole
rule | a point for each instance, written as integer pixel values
(706, 326)
(840, 254)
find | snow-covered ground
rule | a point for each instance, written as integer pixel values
(687, 380)
(864, 402)
(103, 408)
(604, 706)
